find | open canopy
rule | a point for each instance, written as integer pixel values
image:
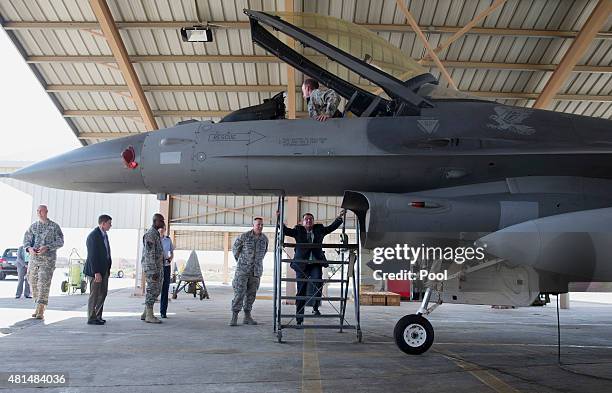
(362, 55)
(357, 41)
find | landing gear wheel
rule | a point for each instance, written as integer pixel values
(64, 286)
(413, 334)
(120, 274)
(279, 336)
(359, 336)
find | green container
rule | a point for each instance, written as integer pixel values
(76, 271)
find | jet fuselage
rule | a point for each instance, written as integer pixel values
(455, 143)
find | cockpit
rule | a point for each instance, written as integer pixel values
(374, 77)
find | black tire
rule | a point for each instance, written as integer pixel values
(64, 286)
(83, 286)
(120, 274)
(419, 332)
(2, 275)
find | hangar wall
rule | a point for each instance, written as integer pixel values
(234, 210)
(213, 222)
(72, 209)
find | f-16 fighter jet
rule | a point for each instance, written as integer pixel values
(418, 164)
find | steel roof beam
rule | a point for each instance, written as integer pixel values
(399, 28)
(588, 32)
(117, 47)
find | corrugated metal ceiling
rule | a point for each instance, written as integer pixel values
(592, 88)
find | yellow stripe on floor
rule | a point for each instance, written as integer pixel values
(311, 370)
(482, 375)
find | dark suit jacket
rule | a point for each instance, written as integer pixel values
(98, 260)
(300, 235)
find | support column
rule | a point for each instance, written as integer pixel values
(139, 278)
(165, 209)
(291, 96)
(564, 301)
(172, 235)
(225, 258)
(291, 207)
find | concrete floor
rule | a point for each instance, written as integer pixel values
(477, 349)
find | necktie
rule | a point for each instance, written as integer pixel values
(310, 240)
(106, 245)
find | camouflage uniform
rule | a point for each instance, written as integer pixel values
(323, 102)
(249, 251)
(41, 267)
(152, 263)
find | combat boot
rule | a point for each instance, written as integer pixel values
(40, 311)
(35, 311)
(150, 317)
(143, 316)
(248, 320)
(234, 321)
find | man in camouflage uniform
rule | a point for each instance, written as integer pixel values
(41, 241)
(322, 104)
(249, 250)
(153, 267)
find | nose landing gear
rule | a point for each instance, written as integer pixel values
(413, 333)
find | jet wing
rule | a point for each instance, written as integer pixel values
(360, 100)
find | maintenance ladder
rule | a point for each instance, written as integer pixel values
(342, 271)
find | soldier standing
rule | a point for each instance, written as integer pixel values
(153, 266)
(41, 241)
(249, 250)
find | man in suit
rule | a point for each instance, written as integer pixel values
(309, 232)
(97, 269)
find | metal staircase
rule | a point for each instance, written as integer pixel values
(342, 271)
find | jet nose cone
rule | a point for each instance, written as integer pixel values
(36, 173)
(95, 168)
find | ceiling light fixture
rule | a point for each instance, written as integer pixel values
(196, 33)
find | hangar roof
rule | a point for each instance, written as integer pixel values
(511, 54)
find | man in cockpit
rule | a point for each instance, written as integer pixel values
(322, 104)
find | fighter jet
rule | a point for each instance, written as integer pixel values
(417, 163)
